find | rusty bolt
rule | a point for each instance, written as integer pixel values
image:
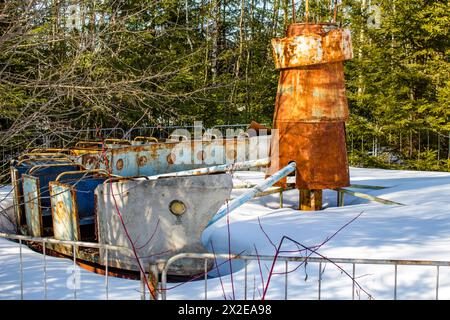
(119, 164)
(142, 161)
(171, 158)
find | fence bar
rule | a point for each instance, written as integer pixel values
(153, 279)
(206, 279)
(395, 283)
(437, 283)
(309, 259)
(45, 270)
(166, 264)
(340, 198)
(142, 277)
(106, 274)
(286, 280)
(320, 278)
(74, 273)
(318, 260)
(21, 269)
(281, 198)
(164, 282)
(353, 282)
(74, 245)
(245, 281)
(66, 242)
(369, 197)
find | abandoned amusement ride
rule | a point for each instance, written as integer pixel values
(164, 191)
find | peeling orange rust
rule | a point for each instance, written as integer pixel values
(119, 164)
(311, 106)
(171, 158)
(201, 155)
(142, 161)
(91, 160)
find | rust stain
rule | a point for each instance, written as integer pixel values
(171, 158)
(92, 161)
(311, 105)
(119, 164)
(231, 154)
(30, 201)
(309, 44)
(61, 210)
(319, 149)
(142, 161)
(201, 155)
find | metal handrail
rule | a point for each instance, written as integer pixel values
(34, 168)
(128, 133)
(82, 144)
(177, 137)
(42, 155)
(165, 265)
(99, 171)
(74, 244)
(117, 141)
(50, 150)
(67, 160)
(142, 138)
(65, 242)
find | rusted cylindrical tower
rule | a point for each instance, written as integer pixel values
(311, 108)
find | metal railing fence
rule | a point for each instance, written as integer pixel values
(165, 265)
(75, 244)
(162, 267)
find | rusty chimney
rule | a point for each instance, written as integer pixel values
(311, 108)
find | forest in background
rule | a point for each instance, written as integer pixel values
(72, 65)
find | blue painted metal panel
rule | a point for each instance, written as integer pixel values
(158, 158)
(32, 204)
(17, 172)
(84, 196)
(17, 196)
(47, 174)
(73, 205)
(65, 219)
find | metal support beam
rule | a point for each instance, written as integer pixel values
(310, 200)
(368, 197)
(220, 168)
(253, 192)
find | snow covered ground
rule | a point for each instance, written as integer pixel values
(418, 230)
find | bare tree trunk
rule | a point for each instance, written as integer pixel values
(360, 54)
(393, 36)
(238, 60)
(93, 27)
(276, 9)
(187, 24)
(207, 37)
(248, 62)
(241, 38)
(215, 36)
(56, 7)
(286, 13)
